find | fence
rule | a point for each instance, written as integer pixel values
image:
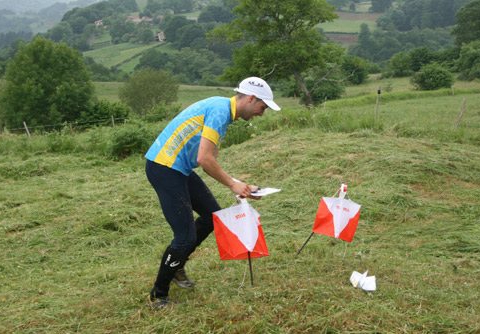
(111, 121)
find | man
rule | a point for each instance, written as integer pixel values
(191, 139)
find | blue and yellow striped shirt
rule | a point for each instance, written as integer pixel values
(177, 145)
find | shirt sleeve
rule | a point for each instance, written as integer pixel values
(215, 125)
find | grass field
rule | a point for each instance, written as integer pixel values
(142, 4)
(186, 95)
(350, 22)
(118, 54)
(81, 233)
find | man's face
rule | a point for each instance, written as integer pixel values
(255, 107)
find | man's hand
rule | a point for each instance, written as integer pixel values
(241, 189)
(244, 190)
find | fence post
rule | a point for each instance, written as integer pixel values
(26, 129)
(377, 105)
(113, 121)
(462, 111)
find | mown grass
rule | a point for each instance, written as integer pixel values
(118, 54)
(81, 233)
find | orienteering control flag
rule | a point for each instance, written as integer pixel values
(337, 217)
(238, 231)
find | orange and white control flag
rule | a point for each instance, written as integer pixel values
(337, 217)
(238, 232)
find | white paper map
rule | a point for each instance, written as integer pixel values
(265, 191)
(260, 192)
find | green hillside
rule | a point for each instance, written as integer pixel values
(350, 22)
(81, 233)
(119, 54)
(141, 4)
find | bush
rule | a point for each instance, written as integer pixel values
(325, 90)
(420, 57)
(355, 69)
(432, 76)
(61, 142)
(238, 132)
(146, 88)
(101, 113)
(162, 112)
(129, 139)
(399, 65)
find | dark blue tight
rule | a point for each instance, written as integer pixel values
(179, 197)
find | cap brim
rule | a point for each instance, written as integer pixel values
(272, 105)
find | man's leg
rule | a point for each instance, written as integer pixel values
(203, 203)
(172, 190)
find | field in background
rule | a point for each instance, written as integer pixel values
(81, 233)
(186, 95)
(350, 22)
(119, 55)
(346, 27)
(189, 94)
(141, 4)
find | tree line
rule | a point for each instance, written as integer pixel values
(49, 83)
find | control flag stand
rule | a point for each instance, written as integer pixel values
(239, 234)
(336, 217)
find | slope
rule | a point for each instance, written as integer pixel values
(81, 234)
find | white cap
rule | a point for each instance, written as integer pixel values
(258, 88)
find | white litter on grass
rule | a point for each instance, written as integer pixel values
(362, 281)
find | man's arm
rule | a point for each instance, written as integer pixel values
(207, 153)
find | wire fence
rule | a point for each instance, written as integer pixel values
(77, 125)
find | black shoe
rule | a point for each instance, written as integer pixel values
(182, 280)
(158, 302)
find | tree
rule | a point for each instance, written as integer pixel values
(280, 38)
(420, 14)
(46, 83)
(366, 44)
(326, 80)
(172, 25)
(188, 65)
(469, 61)
(355, 69)
(467, 28)
(432, 76)
(338, 4)
(214, 13)
(382, 45)
(143, 33)
(62, 32)
(380, 6)
(121, 30)
(420, 57)
(147, 88)
(191, 35)
(154, 59)
(179, 6)
(400, 65)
